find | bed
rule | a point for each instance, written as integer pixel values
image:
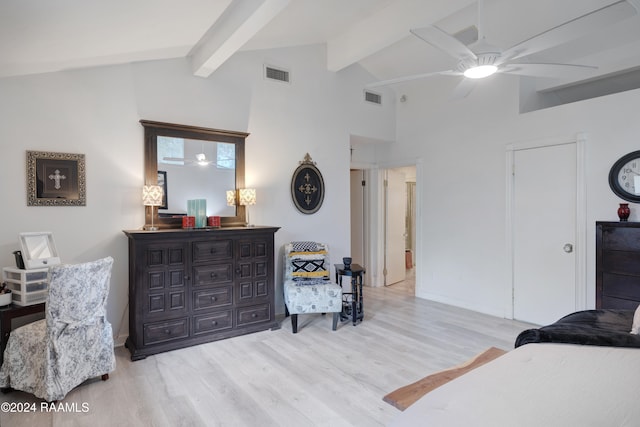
(550, 379)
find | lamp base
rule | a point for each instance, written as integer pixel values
(150, 228)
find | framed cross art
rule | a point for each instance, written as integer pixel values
(55, 179)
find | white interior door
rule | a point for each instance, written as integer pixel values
(544, 233)
(395, 207)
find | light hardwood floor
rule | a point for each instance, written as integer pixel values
(317, 377)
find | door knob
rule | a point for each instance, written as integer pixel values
(568, 248)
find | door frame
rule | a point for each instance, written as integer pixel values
(418, 164)
(580, 139)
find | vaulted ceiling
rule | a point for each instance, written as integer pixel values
(38, 36)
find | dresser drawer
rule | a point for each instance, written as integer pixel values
(212, 274)
(212, 250)
(621, 238)
(213, 297)
(619, 303)
(621, 286)
(624, 262)
(212, 322)
(160, 332)
(253, 314)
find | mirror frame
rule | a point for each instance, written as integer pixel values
(154, 129)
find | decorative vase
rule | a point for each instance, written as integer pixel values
(347, 263)
(624, 211)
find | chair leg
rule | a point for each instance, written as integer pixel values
(105, 377)
(336, 316)
(294, 323)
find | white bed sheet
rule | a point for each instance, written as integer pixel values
(538, 385)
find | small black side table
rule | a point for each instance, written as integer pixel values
(353, 308)
(11, 312)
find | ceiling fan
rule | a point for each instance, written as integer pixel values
(483, 60)
(200, 159)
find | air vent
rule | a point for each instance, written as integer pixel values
(373, 97)
(277, 74)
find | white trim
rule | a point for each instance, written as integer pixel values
(581, 221)
(580, 246)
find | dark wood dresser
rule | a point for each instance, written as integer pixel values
(618, 265)
(188, 287)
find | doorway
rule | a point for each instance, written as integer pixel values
(383, 225)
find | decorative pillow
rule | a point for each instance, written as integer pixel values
(304, 246)
(312, 267)
(635, 328)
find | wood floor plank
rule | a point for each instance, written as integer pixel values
(317, 377)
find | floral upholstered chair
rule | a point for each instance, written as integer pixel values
(307, 283)
(74, 342)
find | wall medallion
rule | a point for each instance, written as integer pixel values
(307, 186)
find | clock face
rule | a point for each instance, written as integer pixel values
(624, 177)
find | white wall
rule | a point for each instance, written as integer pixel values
(96, 112)
(462, 178)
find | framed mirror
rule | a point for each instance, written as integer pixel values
(38, 249)
(189, 163)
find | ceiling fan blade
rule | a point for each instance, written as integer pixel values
(412, 77)
(464, 88)
(571, 30)
(443, 41)
(558, 71)
(175, 159)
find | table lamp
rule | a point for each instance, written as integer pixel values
(248, 198)
(152, 196)
(231, 197)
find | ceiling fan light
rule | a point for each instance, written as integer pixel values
(201, 159)
(480, 72)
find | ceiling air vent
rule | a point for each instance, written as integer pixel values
(277, 74)
(373, 97)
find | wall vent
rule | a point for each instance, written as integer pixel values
(373, 97)
(277, 74)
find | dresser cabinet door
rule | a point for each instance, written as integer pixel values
(165, 280)
(253, 271)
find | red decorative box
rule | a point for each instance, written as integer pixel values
(188, 221)
(213, 221)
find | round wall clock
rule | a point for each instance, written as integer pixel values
(624, 177)
(307, 186)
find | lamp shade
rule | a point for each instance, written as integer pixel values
(231, 197)
(152, 195)
(247, 196)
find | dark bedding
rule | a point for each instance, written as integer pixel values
(590, 327)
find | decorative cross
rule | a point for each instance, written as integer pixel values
(307, 189)
(57, 178)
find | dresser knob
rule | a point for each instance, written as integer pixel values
(213, 299)
(214, 323)
(214, 275)
(254, 315)
(166, 331)
(213, 251)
